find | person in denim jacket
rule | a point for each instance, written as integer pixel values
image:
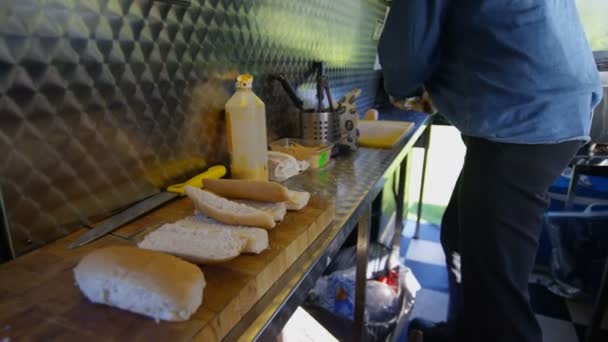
(518, 79)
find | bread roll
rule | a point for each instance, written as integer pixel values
(255, 239)
(248, 190)
(297, 200)
(196, 245)
(227, 211)
(371, 114)
(276, 210)
(282, 166)
(153, 284)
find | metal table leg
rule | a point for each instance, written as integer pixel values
(400, 187)
(427, 144)
(572, 187)
(361, 276)
(601, 304)
(376, 220)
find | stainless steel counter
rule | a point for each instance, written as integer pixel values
(353, 181)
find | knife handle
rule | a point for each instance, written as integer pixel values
(214, 172)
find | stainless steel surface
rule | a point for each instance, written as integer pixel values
(425, 160)
(571, 189)
(402, 184)
(361, 273)
(124, 217)
(102, 102)
(353, 181)
(321, 127)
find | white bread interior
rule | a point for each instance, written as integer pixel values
(154, 284)
(276, 210)
(227, 211)
(297, 200)
(196, 245)
(256, 239)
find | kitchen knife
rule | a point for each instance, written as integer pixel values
(145, 206)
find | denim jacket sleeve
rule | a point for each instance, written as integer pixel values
(409, 48)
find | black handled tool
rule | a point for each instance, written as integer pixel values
(289, 90)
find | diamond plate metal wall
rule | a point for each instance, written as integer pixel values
(102, 102)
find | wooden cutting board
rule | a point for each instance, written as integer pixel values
(39, 300)
(382, 134)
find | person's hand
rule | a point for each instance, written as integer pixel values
(422, 104)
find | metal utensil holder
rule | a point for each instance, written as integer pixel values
(321, 127)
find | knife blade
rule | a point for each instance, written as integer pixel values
(124, 217)
(145, 206)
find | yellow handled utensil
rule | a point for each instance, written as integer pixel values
(214, 172)
(145, 206)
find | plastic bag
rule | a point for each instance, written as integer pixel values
(342, 327)
(336, 293)
(282, 166)
(347, 258)
(381, 302)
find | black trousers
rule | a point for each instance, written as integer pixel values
(490, 233)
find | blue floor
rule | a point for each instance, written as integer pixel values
(561, 320)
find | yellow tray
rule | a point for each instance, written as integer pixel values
(382, 134)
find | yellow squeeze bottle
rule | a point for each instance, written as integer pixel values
(246, 132)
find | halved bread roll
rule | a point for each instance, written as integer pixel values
(197, 245)
(227, 211)
(297, 200)
(276, 210)
(256, 239)
(154, 284)
(248, 190)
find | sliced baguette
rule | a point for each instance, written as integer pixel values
(256, 239)
(154, 284)
(276, 210)
(248, 190)
(227, 211)
(196, 245)
(297, 200)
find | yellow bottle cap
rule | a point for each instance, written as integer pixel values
(244, 81)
